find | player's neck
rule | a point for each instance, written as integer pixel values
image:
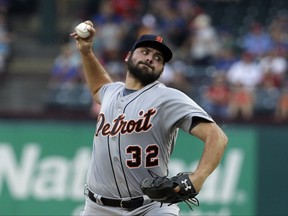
(132, 83)
(128, 91)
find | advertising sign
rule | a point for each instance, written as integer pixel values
(43, 169)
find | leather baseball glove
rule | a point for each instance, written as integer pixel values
(161, 189)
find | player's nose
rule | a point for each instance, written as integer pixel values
(149, 59)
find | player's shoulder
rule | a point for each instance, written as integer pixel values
(110, 89)
(114, 85)
(168, 92)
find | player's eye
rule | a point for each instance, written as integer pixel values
(158, 58)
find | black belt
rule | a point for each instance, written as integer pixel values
(131, 204)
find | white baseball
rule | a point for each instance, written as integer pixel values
(82, 30)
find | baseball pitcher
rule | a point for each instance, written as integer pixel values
(136, 133)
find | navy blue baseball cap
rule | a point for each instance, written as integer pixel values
(156, 42)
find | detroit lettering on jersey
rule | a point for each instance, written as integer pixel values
(123, 126)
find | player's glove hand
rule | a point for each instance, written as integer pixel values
(161, 189)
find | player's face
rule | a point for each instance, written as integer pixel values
(145, 64)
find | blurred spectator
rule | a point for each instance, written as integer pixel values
(270, 81)
(227, 41)
(110, 28)
(128, 9)
(204, 42)
(187, 9)
(257, 41)
(116, 69)
(224, 59)
(174, 75)
(241, 104)
(245, 71)
(5, 40)
(278, 29)
(167, 77)
(274, 67)
(66, 88)
(148, 25)
(172, 25)
(281, 113)
(216, 96)
(66, 67)
(244, 76)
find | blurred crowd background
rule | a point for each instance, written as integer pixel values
(230, 56)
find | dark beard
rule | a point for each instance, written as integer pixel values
(140, 74)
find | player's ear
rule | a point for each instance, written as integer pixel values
(128, 56)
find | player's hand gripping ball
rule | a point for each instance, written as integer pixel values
(161, 189)
(82, 30)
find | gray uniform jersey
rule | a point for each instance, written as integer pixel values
(135, 136)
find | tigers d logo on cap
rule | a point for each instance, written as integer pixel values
(159, 39)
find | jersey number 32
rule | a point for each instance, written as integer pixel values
(150, 158)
